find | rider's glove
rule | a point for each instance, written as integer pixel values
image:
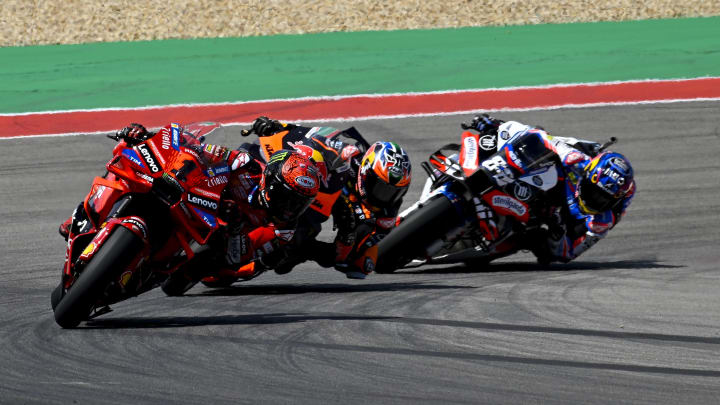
(485, 124)
(264, 126)
(134, 131)
(345, 215)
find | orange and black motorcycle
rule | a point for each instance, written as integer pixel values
(154, 210)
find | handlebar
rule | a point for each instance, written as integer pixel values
(607, 144)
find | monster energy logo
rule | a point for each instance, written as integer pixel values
(277, 157)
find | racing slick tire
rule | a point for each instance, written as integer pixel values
(109, 261)
(409, 240)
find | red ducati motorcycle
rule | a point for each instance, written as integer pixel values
(154, 210)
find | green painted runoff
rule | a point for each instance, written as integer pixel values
(133, 74)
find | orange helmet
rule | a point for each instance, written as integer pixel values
(289, 185)
(384, 175)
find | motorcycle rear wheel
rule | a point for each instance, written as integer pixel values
(114, 256)
(413, 236)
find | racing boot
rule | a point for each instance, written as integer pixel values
(227, 276)
(350, 272)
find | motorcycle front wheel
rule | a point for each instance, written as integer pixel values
(421, 228)
(113, 257)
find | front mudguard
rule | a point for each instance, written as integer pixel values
(134, 224)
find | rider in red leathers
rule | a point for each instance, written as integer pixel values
(261, 204)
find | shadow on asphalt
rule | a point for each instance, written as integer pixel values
(529, 266)
(289, 289)
(244, 319)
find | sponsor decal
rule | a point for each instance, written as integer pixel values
(333, 143)
(278, 157)
(125, 278)
(513, 157)
(369, 265)
(619, 163)
(144, 177)
(175, 136)
(207, 218)
(305, 182)
(206, 193)
(269, 150)
(89, 249)
(156, 152)
(99, 192)
(349, 151)
(504, 135)
(203, 202)
(137, 224)
(488, 142)
(385, 223)
(537, 180)
(240, 160)
(574, 157)
(470, 153)
(522, 192)
(133, 157)
(166, 140)
(237, 248)
(611, 173)
(192, 152)
(216, 181)
(285, 234)
(217, 170)
(149, 158)
(509, 203)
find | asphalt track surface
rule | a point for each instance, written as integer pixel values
(635, 320)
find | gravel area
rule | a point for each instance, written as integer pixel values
(34, 22)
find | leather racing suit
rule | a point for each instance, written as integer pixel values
(359, 225)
